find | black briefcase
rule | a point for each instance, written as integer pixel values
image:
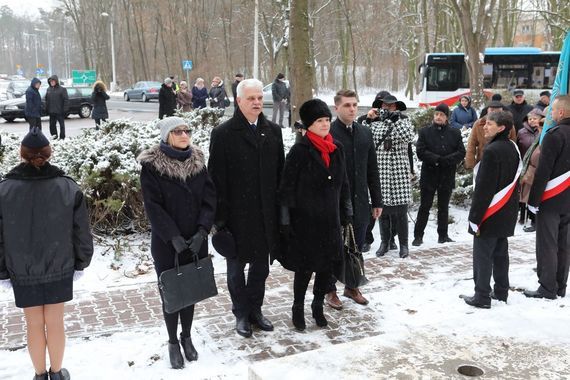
(188, 284)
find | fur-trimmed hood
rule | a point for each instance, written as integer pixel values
(171, 167)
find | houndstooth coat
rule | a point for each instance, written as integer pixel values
(393, 164)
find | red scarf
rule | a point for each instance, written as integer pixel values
(324, 145)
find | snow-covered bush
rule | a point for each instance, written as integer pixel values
(104, 164)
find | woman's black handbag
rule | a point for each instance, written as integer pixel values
(350, 269)
(188, 284)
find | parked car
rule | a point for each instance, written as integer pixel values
(3, 87)
(79, 104)
(17, 88)
(144, 91)
(267, 95)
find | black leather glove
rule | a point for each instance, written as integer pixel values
(179, 244)
(196, 241)
(394, 116)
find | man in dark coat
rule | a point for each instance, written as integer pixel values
(166, 99)
(56, 106)
(549, 199)
(544, 100)
(363, 177)
(33, 110)
(441, 149)
(238, 78)
(246, 160)
(280, 94)
(492, 225)
(519, 108)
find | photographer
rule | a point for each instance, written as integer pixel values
(392, 132)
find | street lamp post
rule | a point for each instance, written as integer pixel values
(36, 43)
(113, 82)
(46, 31)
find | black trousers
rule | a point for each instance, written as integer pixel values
(552, 251)
(57, 118)
(34, 122)
(490, 258)
(301, 283)
(359, 236)
(426, 201)
(247, 294)
(98, 122)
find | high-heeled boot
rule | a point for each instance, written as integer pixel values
(189, 351)
(317, 309)
(298, 312)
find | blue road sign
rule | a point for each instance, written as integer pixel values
(187, 65)
(40, 71)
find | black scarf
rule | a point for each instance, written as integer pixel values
(180, 155)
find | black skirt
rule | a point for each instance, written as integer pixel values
(44, 294)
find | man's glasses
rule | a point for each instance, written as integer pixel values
(180, 132)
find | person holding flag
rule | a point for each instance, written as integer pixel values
(493, 212)
(549, 199)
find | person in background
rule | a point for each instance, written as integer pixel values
(218, 94)
(56, 106)
(363, 178)
(33, 110)
(99, 98)
(238, 78)
(184, 97)
(175, 86)
(477, 141)
(495, 99)
(180, 201)
(525, 137)
(281, 95)
(463, 116)
(46, 238)
(166, 99)
(549, 199)
(519, 108)
(441, 149)
(392, 134)
(491, 226)
(544, 100)
(199, 94)
(246, 162)
(315, 200)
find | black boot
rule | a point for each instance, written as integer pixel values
(402, 228)
(384, 235)
(62, 374)
(317, 308)
(176, 359)
(41, 377)
(189, 351)
(298, 312)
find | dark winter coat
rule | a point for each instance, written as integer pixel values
(33, 100)
(99, 99)
(497, 170)
(218, 96)
(44, 226)
(525, 137)
(554, 161)
(279, 91)
(317, 198)
(199, 96)
(441, 149)
(361, 168)
(540, 105)
(519, 111)
(246, 168)
(179, 198)
(56, 98)
(234, 92)
(166, 101)
(463, 116)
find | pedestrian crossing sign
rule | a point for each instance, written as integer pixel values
(187, 65)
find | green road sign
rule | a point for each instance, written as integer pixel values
(84, 76)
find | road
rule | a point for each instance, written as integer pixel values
(118, 108)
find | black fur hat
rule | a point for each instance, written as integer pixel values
(312, 110)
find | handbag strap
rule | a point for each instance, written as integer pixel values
(195, 259)
(349, 239)
(388, 133)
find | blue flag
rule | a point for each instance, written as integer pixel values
(560, 83)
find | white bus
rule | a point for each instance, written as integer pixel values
(445, 77)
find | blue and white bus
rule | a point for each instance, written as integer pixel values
(445, 76)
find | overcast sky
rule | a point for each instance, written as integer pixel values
(30, 7)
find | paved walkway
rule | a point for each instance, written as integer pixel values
(117, 309)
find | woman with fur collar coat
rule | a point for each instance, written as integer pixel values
(179, 200)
